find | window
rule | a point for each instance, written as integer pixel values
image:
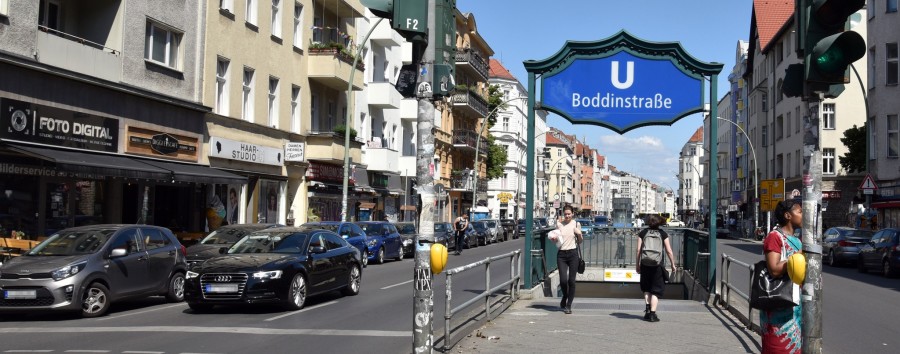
(276, 18)
(251, 12)
(799, 162)
(317, 29)
(505, 123)
(779, 94)
(332, 110)
(298, 25)
(890, 69)
(890, 6)
(872, 65)
(273, 102)
(798, 117)
(4, 7)
(765, 102)
(870, 8)
(295, 109)
(765, 136)
(788, 121)
(828, 161)
(48, 13)
(893, 136)
(247, 98)
(162, 45)
(222, 86)
(779, 127)
(154, 239)
(787, 167)
(828, 116)
(227, 6)
(314, 112)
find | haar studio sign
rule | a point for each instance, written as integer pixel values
(247, 152)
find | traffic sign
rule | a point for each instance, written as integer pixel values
(771, 192)
(868, 185)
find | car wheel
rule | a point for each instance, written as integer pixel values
(352, 288)
(176, 288)
(831, 261)
(198, 307)
(297, 293)
(95, 301)
(861, 265)
(888, 270)
(365, 258)
(379, 258)
(400, 253)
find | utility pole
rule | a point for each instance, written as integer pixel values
(811, 327)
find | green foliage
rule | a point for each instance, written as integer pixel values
(495, 99)
(855, 158)
(496, 159)
(340, 129)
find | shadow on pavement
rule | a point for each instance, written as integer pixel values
(737, 329)
(627, 316)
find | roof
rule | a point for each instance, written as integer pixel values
(553, 140)
(697, 137)
(771, 16)
(497, 70)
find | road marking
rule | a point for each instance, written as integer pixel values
(391, 286)
(29, 351)
(204, 329)
(86, 351)
(302, 310)
(139, 312)
(140, 352)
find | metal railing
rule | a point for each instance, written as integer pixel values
(727, 287)
(77, 39)
(515, 272)
(616, 247)
(474, 59)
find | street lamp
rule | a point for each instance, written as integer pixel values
(755, 182)
(519, 185)
(557, 173)
(478, 147)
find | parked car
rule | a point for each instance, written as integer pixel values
(673, 222)
(483, 234)
(471, 236)
(882, 252)
(841, 244)
(509, 227)
(350, 232)
(384, 240)
(407, 232)
(496, 231)
(601, 221)
(520, 226)
(280, 265)
(87, 268)
(587, 228)
(224, 236)
(443, 233)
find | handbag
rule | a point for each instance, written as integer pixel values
(581, 264)
(769, 293)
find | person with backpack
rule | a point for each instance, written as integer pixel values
(651, 264)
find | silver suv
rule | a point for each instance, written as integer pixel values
(86, 268)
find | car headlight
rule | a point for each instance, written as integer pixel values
(272, 274)
(373, 242)
(67, 271)
(191, 275)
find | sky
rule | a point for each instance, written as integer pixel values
(709, 30)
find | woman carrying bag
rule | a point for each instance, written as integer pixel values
(781, 327)
(568, 238)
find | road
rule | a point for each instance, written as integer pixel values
(859, 310)
(378, 320)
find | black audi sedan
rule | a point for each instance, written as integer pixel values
(224, 236)
(280, 265)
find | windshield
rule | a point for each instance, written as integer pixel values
(601, 220)
(270, 242)
(372, 229)
(492, 224)
(410, 228)
(225, 235)
(479, 225)
(70, 243)
(441, 227)
(329, 227)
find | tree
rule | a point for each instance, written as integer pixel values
(495, 99)
(496, 159)
(855, 158)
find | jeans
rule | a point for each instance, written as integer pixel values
(567, 261)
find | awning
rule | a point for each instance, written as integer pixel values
(395, 186)
(408, 207)
(197, 173)
(361, 180)
(886, 204)
(97, 164)
(367, 205)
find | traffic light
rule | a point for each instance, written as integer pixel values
(408, 17)
(829, 49)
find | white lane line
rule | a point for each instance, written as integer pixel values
(139, 312)
(86, 351)
(28, 351)
(302, 310)
(140, 352)
(204, 329)
(391, 286)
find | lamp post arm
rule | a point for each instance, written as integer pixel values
(755, 169)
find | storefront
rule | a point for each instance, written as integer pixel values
(61, 168)
(326, 183)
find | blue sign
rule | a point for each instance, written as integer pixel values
(622, 91)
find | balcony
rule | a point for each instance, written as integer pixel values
(385, 36)
(467, 139)
(464, 184)
(472, 61)
(332, 67)
(346, 8)
(329, 148)
(469, 102)
(407, 166)
(383, 95)
(409, 109)
(382, 159)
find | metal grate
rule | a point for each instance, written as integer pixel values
(223, 278)
(25, 276)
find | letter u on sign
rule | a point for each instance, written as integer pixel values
(629, 75)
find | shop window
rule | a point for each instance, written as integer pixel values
(18, 196)
(269, 208)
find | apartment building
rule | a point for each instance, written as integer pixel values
(690, 174)
(560, 167)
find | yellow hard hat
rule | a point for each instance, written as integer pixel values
(438, 258)
(796, 268)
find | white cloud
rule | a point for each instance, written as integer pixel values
(643, 145)
(645, 156)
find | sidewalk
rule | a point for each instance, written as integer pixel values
(610, 326)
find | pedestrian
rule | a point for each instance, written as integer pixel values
(651, 243)
(459, 227)
(567, 257)
(781, 327)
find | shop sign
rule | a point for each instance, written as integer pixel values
(28, 122)
(294, 152)
(154, 143)
(247, 152)
(41, 171)
(504, 197)
(831, 194)
(325, 173)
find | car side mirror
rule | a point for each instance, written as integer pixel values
(223, 250)
(118, 252)
(316, 249)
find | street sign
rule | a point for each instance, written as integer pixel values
(771, 192)
(868, 185)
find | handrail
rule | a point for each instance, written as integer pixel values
(727, 287)
(512, 284)
(77, 39)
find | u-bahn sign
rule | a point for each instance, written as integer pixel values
(623, 82)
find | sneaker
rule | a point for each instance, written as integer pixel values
(562, 304)
(647, 316)
(568, 311)
(653, 317)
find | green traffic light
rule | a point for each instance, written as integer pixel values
(832, 60)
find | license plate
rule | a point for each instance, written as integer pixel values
(20, 294)
(221, 288)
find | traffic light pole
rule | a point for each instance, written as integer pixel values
(812, 293)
